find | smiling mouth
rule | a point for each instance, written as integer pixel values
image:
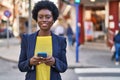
(44, 25)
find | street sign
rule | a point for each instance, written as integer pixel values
(7, 13)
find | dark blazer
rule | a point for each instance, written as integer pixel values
(27, 51)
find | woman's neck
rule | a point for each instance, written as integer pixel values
(44, 33)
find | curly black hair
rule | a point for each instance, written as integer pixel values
(45, 5)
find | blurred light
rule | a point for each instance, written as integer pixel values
(77, 1)
(35, 1)
(92, 0)
(111, 17)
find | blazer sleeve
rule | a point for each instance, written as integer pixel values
(23, 63)
(61, 63)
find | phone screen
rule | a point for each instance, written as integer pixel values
(42, 54)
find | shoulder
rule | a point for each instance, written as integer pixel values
(58, 37)
(29, 36)
(32, 34)
(24, 36)
(61, 40)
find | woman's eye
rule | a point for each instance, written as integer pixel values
(48, 17)
(40, 17)
(44, 17)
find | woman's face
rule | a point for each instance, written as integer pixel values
(45, 19)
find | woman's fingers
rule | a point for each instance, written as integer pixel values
(50, 61)
(35, 60)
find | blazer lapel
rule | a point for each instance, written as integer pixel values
(32, 43)
(54, 44)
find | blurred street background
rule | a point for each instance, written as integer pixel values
(94, 24)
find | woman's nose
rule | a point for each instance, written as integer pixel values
(44, 19)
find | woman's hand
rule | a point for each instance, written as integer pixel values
(35, 60)
(50, 61)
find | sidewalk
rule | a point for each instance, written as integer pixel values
(12, 52)
(90, 54)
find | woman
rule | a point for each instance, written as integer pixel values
(39, 68)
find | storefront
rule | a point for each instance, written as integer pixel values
(113, 21)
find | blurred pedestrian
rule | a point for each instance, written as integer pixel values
(116, 40)
(69, 34)
(59, 30)
(39, 68)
